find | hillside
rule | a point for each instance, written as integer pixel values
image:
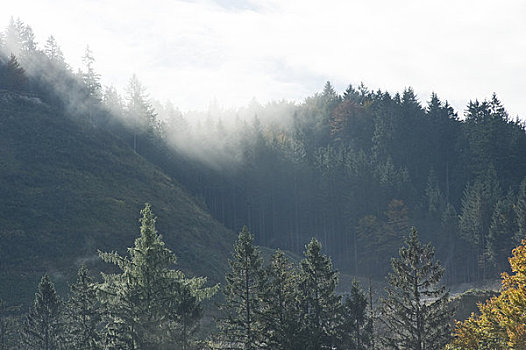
(68, 190)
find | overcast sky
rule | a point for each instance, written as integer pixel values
(195, 52)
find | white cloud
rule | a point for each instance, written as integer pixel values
(232, 50)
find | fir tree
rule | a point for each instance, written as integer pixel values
(319, 303)
(357, 325)
(143, 302)
(43, 328)
(279, 307)
(415, 310)
(239, 328)
(83, 314)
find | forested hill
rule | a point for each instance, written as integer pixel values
(68, 190)
(356, 169)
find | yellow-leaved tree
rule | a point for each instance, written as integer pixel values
(502, 320)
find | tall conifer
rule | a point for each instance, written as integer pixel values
(320, 305)
(43, 328)
(415, 311)
(83, 314)
(240, 328)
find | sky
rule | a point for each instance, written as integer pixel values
(197, 53)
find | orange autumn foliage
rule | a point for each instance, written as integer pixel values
(502, 320)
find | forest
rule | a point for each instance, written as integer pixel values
(357, 171)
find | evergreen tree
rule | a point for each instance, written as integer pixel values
(83, 314)
(43, 328)
(357, 326)
(240, 327)
(141, 113)
(53, 51)
(13, 76)
(279, 308)
(501, 233)
(90, 78)
(415, 310)
(188, 311)
(478, 204)
(319, 304)
(143, 302)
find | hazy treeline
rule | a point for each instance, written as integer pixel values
(355, 169)
(359, 169)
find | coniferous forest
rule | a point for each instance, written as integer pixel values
(343, 184)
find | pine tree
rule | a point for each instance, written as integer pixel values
(240, 328)
(143, 302)
(415, 310)
(83, 314)
(279, 307)
(43, 328)
(319, 303)
(357, 325)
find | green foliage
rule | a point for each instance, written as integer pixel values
(68, 190)
(478, 204)
(83, 314)
(146, 300)
(43, 328)
(415, 311)
(240, 327)
(279, 314)
(319, 303)
(357, 325)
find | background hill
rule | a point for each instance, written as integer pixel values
(68, 190)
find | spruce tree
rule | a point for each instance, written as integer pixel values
(239, 327)
(319, 303)
(83, 314)
(43, 328)
(279, 315)
(415, 311)
(357, 325)
(143, 303)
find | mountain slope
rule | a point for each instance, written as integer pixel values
(68, 190)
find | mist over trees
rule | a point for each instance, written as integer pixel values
(355, 169)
